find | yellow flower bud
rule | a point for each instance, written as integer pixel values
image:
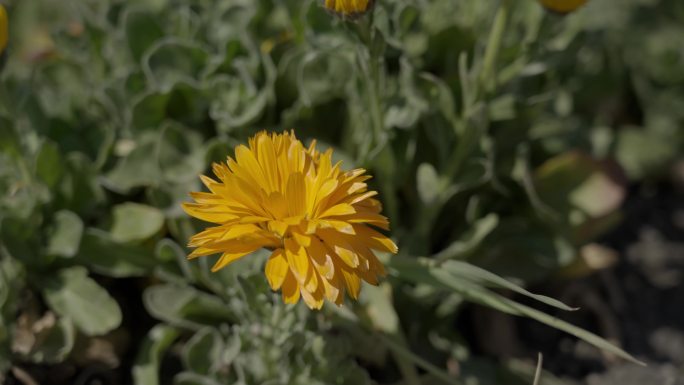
(562, 6)
(348, 8)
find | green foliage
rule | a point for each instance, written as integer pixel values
(73, 295)
(500, 138)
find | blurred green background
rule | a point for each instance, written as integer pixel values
(498, 134)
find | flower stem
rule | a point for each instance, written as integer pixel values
(487, 76)
(372, 72)
(402, 351)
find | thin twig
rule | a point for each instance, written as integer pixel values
(537, 373)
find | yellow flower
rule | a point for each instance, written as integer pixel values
(562, 6)
(348, 8)
(315, 218)
(4, 34)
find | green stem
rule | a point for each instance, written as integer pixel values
(373, 75)
(487, 76)
(471, 128)
(402, 351)
(426, 218)
(466, 143)
(369, 60)
(374, 96)
(406, 367)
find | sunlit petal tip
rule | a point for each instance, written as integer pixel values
(208, 182)
(312, 298)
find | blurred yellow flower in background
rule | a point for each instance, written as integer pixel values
(562, 6)
(4, 30)
(316, 219)
(348, 8)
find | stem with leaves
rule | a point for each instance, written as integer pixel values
(487, 76)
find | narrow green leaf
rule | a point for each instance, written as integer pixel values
(478, 275)
(458, 274)
(419, 272)
(511, 307)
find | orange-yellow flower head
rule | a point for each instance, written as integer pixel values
(562, 6)
(4, 34)
(348, 8)
(317, 219)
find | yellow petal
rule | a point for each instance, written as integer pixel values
(298, 260)
(312, 283)
(326, 189)
(352, 282)
(277, 205)
(227, 258)
(278, 227)
(313, 300)
(253, 219)
(240, 230)
(208, 182)
(249, 164)
(321, 259)
(208, 235)
(369, 218)
(338, 246)
(337, 210)
(296, 194)
(208, 213)
(376, 240)
(290, 289)
(294, 221)
(362, 197)
(206, 198)
(276, 269)
(332, 292)
(230, 246)
(341, 226)
(266, 156)
(347, 256)
(301, 239)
